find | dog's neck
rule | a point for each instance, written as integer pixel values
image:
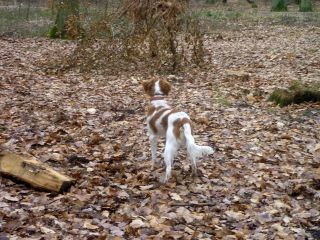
(158, 100)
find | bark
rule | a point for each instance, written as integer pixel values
(33, 172)
(67, 23)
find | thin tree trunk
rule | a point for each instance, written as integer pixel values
(28, 9)
(67, 24)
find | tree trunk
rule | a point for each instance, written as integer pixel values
(67, 24)
(305, 6)
(28, 9)
(279, 6)
(33, 172)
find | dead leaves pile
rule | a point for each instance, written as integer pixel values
(262, 182)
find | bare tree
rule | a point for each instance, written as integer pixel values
(67, 23)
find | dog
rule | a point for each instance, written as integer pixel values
(175, 126)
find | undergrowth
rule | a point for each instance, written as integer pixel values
(156, 34)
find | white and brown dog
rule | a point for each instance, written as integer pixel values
(174, 125)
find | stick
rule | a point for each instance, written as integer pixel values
(192, 204)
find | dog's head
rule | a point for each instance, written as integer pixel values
(156, 87)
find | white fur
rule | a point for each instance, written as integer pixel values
(160, 103)
(172, 143)
(157, 89)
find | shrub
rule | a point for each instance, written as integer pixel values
(211, 1)
(305, 6)
(279, 6)
(254, 5)
(154, 33)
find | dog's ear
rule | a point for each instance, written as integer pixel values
(165, 86)
(145, 85)
(148, 86)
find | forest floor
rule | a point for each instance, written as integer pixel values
(262, 182)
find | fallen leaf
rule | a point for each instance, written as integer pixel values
(137, 223)
(88, 225)
(46, 230)
(175, 196)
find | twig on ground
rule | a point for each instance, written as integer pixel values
(192, 204)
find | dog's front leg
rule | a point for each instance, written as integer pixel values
(153, 143)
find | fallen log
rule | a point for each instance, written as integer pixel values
(37, 174)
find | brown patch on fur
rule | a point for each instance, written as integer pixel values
(164, 121)
(150, 110)
(165, 86)
(156, 116)
(177, 124)
(148, 87)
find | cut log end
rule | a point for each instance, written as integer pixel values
(65, 186)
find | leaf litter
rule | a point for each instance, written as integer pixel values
(263, 181)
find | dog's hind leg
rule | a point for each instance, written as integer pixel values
(170, 152)
(153, 142)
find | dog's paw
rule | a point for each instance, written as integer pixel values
(163, 180)
(194, 172)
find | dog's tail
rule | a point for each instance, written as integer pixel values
(195, 151)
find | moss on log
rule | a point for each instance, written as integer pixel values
(297, 93)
